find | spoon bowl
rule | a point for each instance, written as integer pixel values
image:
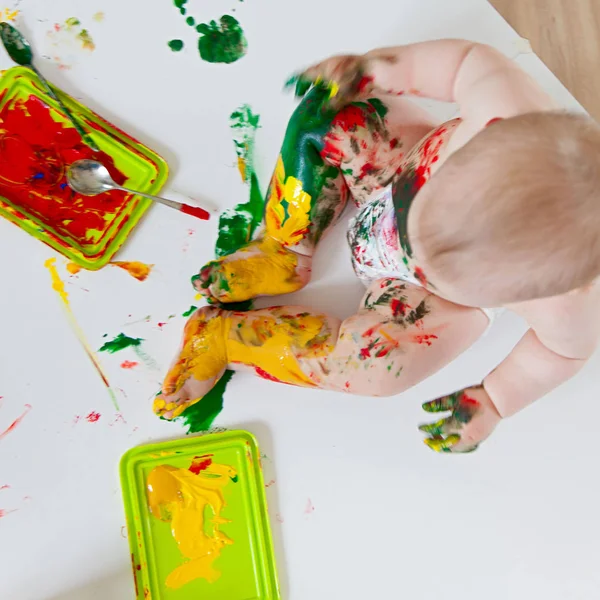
(90, 178)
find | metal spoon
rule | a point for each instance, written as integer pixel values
(90, 178)
(20, 51)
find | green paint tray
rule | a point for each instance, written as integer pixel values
(38, 142)
(247, 566)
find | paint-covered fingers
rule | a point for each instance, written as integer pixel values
(346, 77)
(472, 420)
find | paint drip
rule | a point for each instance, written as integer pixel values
(59, 287)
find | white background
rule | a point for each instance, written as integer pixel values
(518, 519)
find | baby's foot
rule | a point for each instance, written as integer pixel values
(262, 268)
(200, 364)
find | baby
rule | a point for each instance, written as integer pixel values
(497, 208)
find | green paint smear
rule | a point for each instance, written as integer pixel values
(237, 225)
(176, 45)
(222, 44)
(119, 343)
(236, 228)
(189, 311)
(200, 416)
(180, 4)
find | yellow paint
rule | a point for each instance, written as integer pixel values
(241, 164)
(136, 269)
(273, 341)
(59, 287)
(98, 17)
(6, 14)
(184, 498)
(261, 268)
(57, 283)
(334, 89)
(73, 268)
(292, 228)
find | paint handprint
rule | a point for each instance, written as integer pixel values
(473, 419)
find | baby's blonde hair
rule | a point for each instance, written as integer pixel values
(515, 214)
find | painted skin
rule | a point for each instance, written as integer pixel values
(372, 353)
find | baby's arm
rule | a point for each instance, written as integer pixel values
(564, 332)
(484, 82)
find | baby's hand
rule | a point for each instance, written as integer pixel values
(473, 419)
(345, 75)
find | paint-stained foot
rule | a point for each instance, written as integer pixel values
(262, 268)
(200, 364)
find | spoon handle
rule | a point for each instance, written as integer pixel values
(165, 201)
(84, 136)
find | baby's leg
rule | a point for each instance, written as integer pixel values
(323, 157)
(400, 335)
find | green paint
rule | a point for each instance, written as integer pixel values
(200, 416)
(224, 43)
(176, 45)
(119, 343)
(180, 4)
(72, 22)
(190, 21)
(238, 225)
(16, 45)
(189, 311)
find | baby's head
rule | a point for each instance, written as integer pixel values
(515, 214)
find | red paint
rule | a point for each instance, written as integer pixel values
(350, 118)
(262, 373)
(364, 82)
(3, 512)
(347, 385)
(4, 487)
(93, 417)
(135, 581)
(366, 169)
(161, 325)
(420, 276)
(129, 364)
(494, 120)
(200, 465)
(398, 307)
(369, 332)
(331, 152)
(425, 338)
(468, 400)
(195, 211)
(16, 422)
(364, 353)
(34, 155)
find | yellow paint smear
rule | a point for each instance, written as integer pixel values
(73, 268)
(136, 269)
(287, 224)
(7, 14)
(185, 499)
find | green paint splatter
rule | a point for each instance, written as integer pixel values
(237, 225)
(119, 343)
(72, 22)
(189, 311)
(190, 21)
(200, 416)
(180, 4)
(176, 45)
(224, 44)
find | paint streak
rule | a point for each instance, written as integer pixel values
(195, 211)
(136, 269)
(15, 423)
(93, 417)
(59, 287)
(200, 463)
(129, 364)
(181, 498)
(36, 145)
(192, 309)
(119, 343)
(224, 42)
(424, 339)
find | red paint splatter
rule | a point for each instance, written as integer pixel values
(398, 307)
(161, 325)
(364, 353)
(364, 82)
(426, 339)
(350, 118)
(200, 463)
(135, 581)
(347, 385)
(4, 487)
(129, 364)
(119, 418)
(366, 169)
(466, 400)
(16, 422)
(494, 120)
(93, 417)
(33, 159)
(331, 152)
(195, 211)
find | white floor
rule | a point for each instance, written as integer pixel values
(392, 520)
